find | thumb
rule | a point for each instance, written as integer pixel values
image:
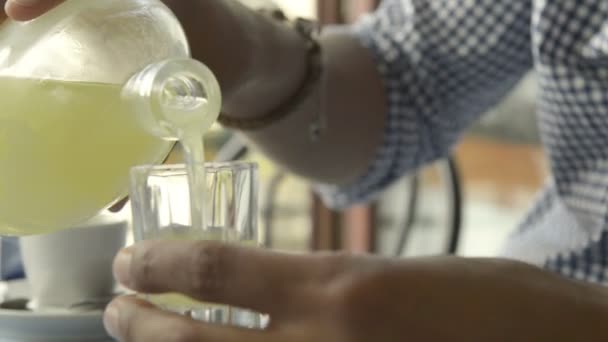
(28, 9)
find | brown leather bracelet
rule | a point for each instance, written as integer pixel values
(309, 31)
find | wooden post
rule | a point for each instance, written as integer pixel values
(358, 223)
(353, 230)
(326, 229)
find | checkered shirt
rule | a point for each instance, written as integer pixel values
(446, 62)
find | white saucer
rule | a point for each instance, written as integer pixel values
(56, 326)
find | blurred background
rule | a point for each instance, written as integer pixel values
(467, 205)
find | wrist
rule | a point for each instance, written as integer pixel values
(258, 61)
(277, 68)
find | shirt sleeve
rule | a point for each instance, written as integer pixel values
(443, 63)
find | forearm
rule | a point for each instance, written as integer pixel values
(351, 100)
(538, 305)
(265, 65)
(504, 301)
(558, 308)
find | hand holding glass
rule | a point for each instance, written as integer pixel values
(161, 200)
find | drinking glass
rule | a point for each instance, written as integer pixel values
(160, 197)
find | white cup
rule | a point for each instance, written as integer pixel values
(73, 266)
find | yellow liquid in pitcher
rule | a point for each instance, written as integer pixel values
(65, 152)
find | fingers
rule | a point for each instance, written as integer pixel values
(28, 9)
(245, 277)
(130, 320)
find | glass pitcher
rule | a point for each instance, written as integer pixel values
(88, 91)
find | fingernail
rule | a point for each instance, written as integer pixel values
(122, 266)
(111, 320)
(25, 3)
